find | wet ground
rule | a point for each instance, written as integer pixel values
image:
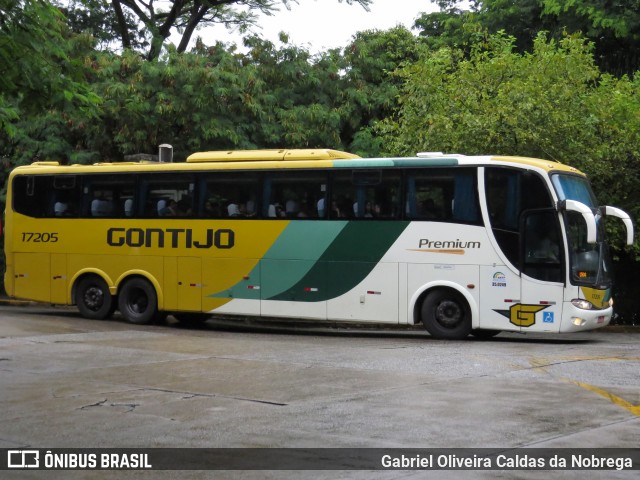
(70, 382)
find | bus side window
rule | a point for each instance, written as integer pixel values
(443, 195)
(429, 195)
(32, 195)
(167, 195)
(343, 196)
(229, 195)
(104, 195)
(294, 195)
(67, 195)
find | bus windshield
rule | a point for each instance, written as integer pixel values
(573, 187)
(590, 263)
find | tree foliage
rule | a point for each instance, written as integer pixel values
(44, 83)
(98, 18)
(613, 27)
(368, 90)
(216, 98)
(552, 103)
(121, 19)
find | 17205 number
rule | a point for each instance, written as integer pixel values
(38, 237)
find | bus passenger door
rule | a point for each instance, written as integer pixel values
(32, 276)
(189, 284)
(543, 273)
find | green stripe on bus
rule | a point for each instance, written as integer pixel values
(425, 162)
(295, 253)
(346, 262)
(289, 259)
(396, 162)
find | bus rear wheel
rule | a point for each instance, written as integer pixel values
(138, 301)
(93, 298)
(446, 315)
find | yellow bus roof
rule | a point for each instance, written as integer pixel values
(299, 158)
(269, 155)
(547, 165)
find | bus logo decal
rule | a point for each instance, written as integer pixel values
(222, 238)
(499, 280)
(452, 247)
(522, 315)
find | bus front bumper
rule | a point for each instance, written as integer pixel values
(579, 320)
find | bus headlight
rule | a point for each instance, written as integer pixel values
(582, 304)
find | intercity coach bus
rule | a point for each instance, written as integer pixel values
(462, 244)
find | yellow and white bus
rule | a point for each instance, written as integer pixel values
(461, 244)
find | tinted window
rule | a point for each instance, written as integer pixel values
(511, 192)
(300, 195)
(110, 196)
(442, 195)
(166, 195)
(229, 195)
(543, 252)
(31, 195)
(365, 194)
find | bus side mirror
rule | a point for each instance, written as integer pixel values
(626, 219)
(587, 214)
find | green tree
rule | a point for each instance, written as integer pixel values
(186, 16)
(44, 81)
(369, 90)
(551, 103)
(98, 18)
(298, 95)
(449, 27)
(613, 27)
(190, 101)
(216, 98)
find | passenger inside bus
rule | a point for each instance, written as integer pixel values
(61, 209)
(101, 207)
(128, 207)
(276, 211)
(170, 209)
(161, 205)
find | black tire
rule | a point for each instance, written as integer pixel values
(93, 298)
(484, 334)
(138, 301)
(446, 315)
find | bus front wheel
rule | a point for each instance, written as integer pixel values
(446, 315)
(138, 302)
(93, 298)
